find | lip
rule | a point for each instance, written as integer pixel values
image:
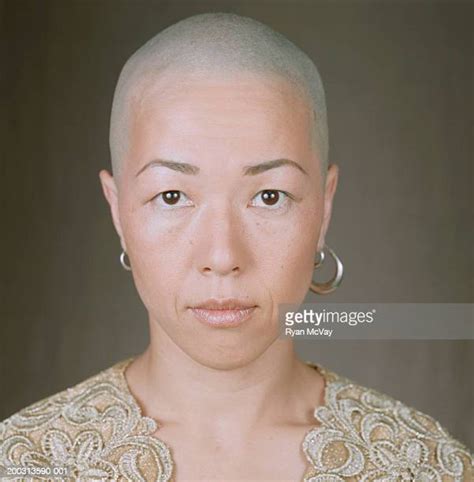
(223, 312)
(224, 304)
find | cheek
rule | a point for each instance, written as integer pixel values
(155, 254)
(293, 266)
(286, 258)
(152, 238)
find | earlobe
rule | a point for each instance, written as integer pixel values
(109, 188)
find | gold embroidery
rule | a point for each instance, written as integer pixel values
(368, 436)
(97, 430)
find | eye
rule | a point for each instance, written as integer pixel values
(169, 199)
(273, 198)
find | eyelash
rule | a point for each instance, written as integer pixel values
(287, 199)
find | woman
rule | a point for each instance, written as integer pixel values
(221, 195)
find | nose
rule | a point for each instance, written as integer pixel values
(221, 248)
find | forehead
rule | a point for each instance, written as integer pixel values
(247, 114)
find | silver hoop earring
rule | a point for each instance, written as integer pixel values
(332, 284)
(123, 263)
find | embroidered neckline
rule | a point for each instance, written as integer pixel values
(329, 378)
(97, 427)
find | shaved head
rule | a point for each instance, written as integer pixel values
(215, 44)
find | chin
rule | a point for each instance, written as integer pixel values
(222, 357)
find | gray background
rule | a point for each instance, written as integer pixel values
(398, 79)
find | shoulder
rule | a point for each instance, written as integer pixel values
(93, 429)
(78, 402)
(369, 435)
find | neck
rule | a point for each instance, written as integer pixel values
(172, 387)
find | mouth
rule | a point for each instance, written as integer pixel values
(223, 312)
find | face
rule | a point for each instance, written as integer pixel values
(217, 229)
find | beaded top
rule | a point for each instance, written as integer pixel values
(96, 429)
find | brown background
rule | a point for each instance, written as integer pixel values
(398, 78)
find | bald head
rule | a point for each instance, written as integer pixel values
(215, 44)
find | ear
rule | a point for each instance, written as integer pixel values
(110, 191)
(332, 177)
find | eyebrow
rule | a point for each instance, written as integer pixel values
(190, 169)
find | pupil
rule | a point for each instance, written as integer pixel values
(171, 197)
(271, 196)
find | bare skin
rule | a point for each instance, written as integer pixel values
(232, 403)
